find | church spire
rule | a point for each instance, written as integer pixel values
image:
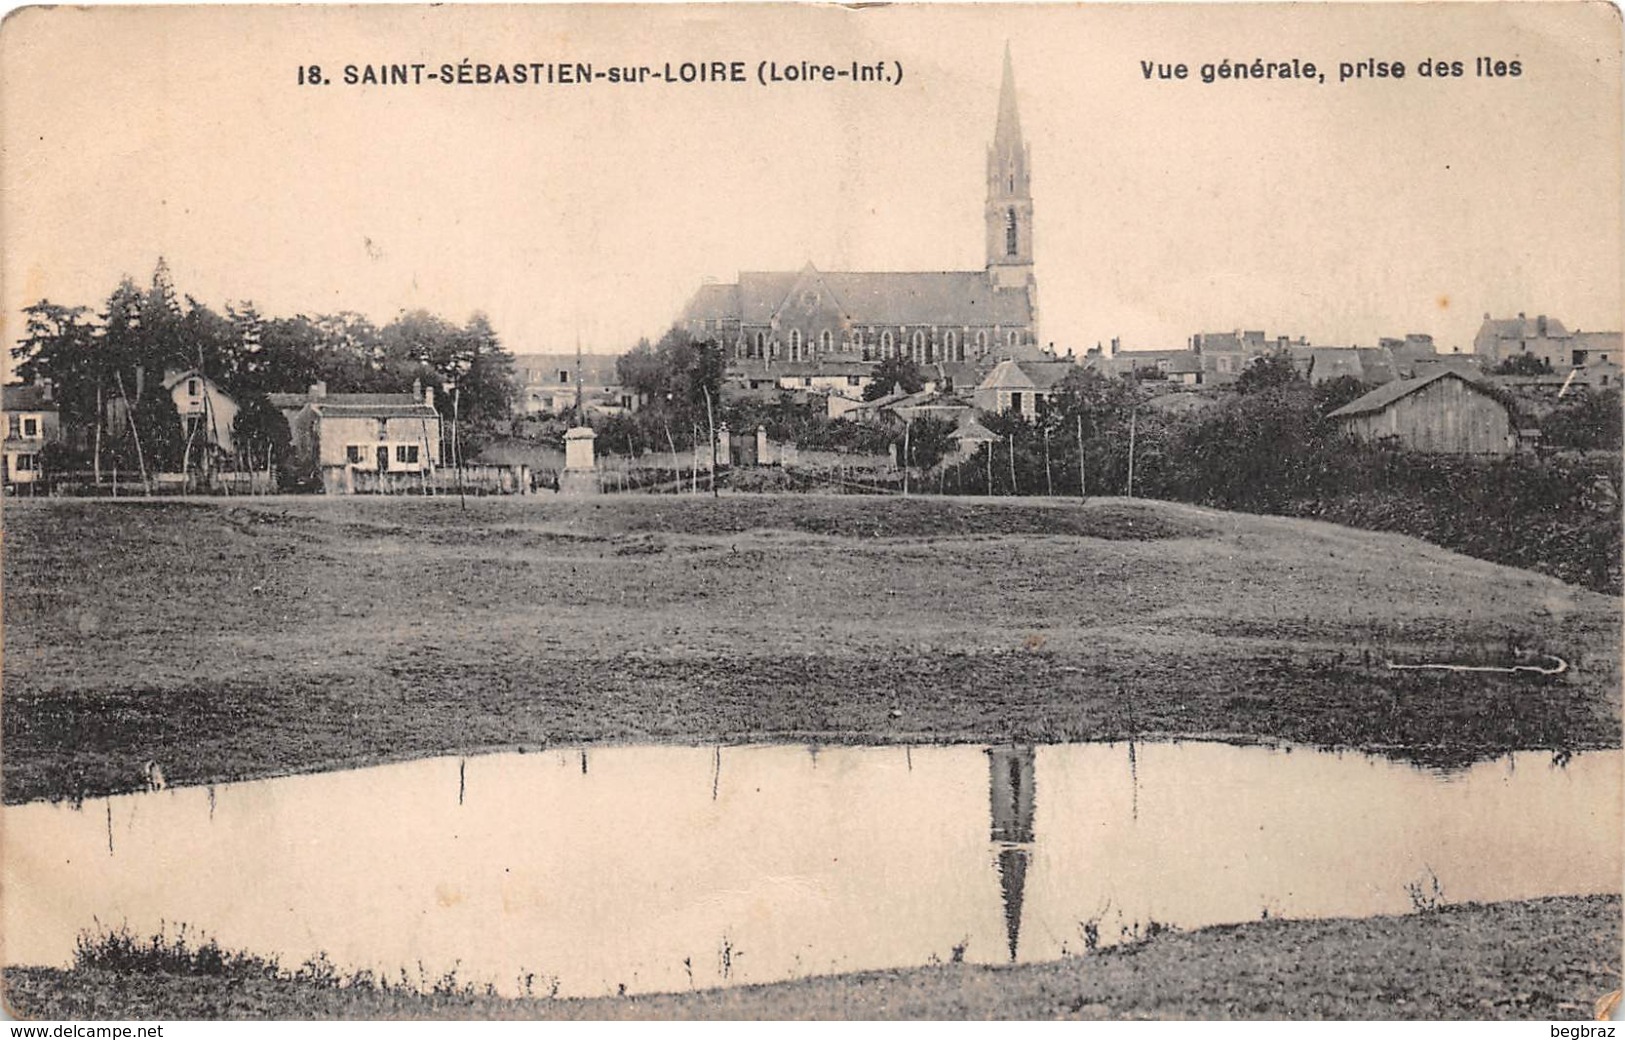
(1009, 193)
(1007, 134)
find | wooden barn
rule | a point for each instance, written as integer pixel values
(1444, 412)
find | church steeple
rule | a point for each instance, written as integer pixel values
(1009, 193)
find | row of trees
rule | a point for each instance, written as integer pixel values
(122, 351)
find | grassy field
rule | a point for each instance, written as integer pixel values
(231, 639)
(1542, 959)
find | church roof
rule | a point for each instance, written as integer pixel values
(872, 298)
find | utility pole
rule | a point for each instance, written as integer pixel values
(908, 425)
(711, 422)
(1049, 481)
(456, 449)
(1132, 415)
(1083, 491)
(1014, 490)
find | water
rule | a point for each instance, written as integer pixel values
(662, 868)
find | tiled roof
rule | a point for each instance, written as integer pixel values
(1522, 328)
(328, 407)
(1035, 375)
(27, 398)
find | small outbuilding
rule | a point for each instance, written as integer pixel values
(1444, 413)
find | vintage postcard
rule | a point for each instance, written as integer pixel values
(812, 511)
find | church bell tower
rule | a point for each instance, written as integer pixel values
(1009, 195)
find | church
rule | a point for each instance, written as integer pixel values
(974, 317)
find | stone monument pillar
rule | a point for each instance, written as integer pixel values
(724, 447)
(580, 476)
(764, 456)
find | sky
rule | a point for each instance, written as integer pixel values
(1337, 211)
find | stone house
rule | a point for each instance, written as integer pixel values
(33, 420)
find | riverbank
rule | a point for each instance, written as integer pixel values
(1536, 959)
(225, 639)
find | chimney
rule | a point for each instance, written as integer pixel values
(428, 396)
(319, 389)
(1540, 325)
(45, 388)
(417, 389)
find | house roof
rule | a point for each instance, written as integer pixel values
(328, 407)
(1522, 328)
(971, 430)
(27, 397)
(1028, 375)
(174, 376)
(544, 369)
(1388, 393)
(870, 298)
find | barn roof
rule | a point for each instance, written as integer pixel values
(1388, 393)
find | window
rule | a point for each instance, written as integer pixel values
(564, 375)
(856, 343)
(1015, 401)
(761, 344)
(795, 344)
(355, 453)
(950, 343)
(919, 346)
(191, 388)
(806, 380)
(825, 341)
(30, 426)
(407, 453)
(886, 344)
(1015, 337)
(1010, 232)
(981, 342)
(27, 463)
(194, 426)
(626, 401)
(858, 380)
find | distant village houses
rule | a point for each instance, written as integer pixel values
(549, 383)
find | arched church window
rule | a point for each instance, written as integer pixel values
(919, 346)
(761, 344)
(795, 344)
(1010, 231)
(981, 342)
(1015, 337)
(825, 341)
(950, 342)
(856, 343)
(886, 344)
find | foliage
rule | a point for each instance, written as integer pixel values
(1268, 372)
(1589, 421)
(142, 334)
(891, 373)
(1523, 365)
(261, 436)
(929, 441)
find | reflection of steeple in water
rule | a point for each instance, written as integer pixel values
(1010, 795)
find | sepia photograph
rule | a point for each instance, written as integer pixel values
(802, 512)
